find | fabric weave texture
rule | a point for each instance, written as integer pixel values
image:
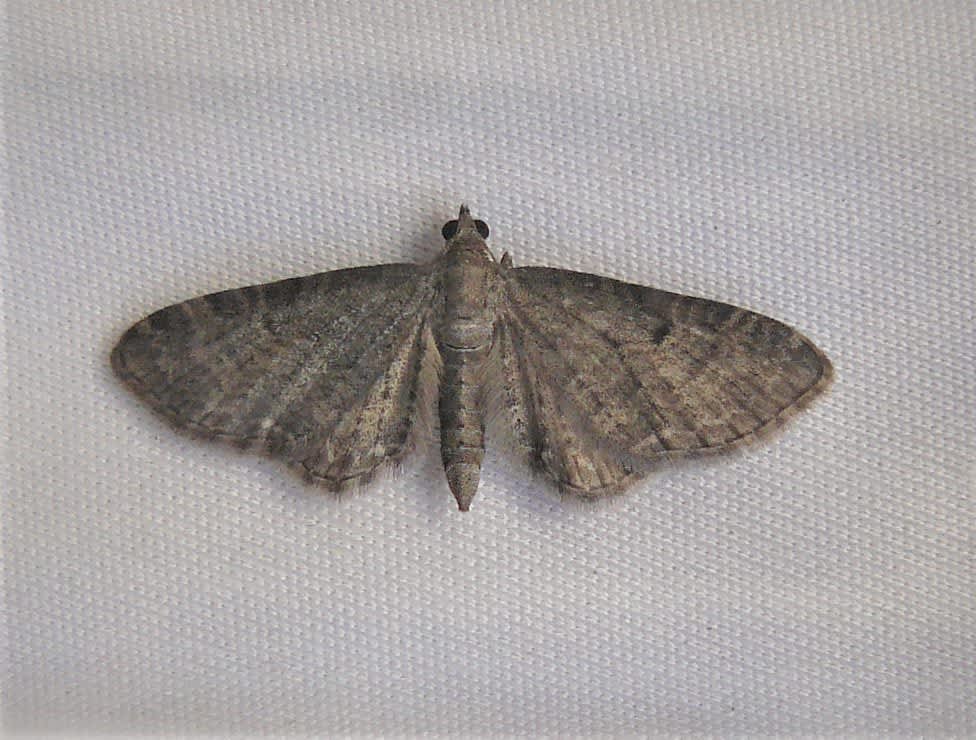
(814, 163)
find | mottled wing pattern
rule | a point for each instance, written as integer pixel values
(605, 379)
(320, 370)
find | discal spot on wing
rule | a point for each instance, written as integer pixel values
(606, 379)
(321, 371)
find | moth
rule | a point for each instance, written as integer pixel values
(599, 381)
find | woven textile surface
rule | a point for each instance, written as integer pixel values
(814, 162)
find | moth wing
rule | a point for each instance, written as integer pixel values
(605, 379)
(322, 370)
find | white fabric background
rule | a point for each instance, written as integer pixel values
(813, 163)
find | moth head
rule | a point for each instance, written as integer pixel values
(463, 226)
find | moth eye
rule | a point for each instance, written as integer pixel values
(449, 229)
(482, 228)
